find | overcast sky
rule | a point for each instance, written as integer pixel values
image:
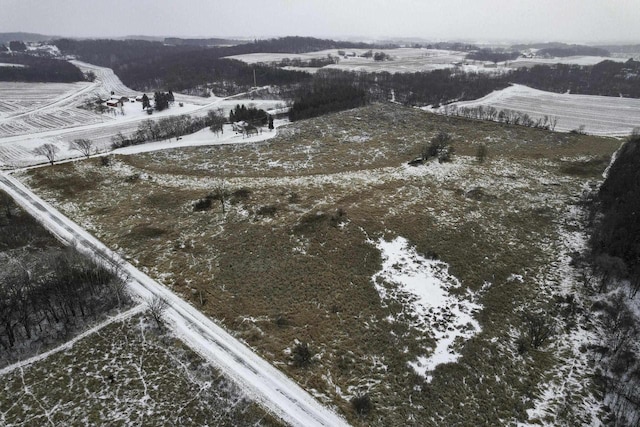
(473, 20)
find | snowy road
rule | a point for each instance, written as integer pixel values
(261, 381)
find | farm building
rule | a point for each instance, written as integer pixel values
(119, 98)
(279, 113)
(114, 103)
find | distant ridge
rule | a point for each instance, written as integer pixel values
(177, 41)
(24, 37)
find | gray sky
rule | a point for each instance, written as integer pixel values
(475, 20)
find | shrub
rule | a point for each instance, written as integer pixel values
(240, 194)
(269, 210)
(439, 147)
(538, 329)
(339, 217)
(481, 153)
(202, 204)
(362, 404)
(302, 355)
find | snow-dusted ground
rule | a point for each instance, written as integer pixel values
(600, 115)
(67, 345)
(447, 317)
(261, 381)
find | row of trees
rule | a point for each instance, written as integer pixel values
(148, 130)
(506, 116)
(169, 127)
(313, 62)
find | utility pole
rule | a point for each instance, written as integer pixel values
(254, 78)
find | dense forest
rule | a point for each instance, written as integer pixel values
(492, 55)
(608, 78)
(573, 50)
(38, 69)
(47, 290)
(326, 97)
(449, 85)
(614, 260)
(618, 232)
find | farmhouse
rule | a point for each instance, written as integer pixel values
(114, 103)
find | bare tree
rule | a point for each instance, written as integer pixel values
(538, 328)
(84, 146)
(47, 150)
(220, 192)
(157, 306)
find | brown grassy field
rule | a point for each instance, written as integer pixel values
(290, 259)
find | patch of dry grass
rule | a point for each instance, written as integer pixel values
(289, 260)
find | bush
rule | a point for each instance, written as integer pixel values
(362, 404)
(481, 153)
(538, 329)
(269, 210)
(439, 147)
(302, 355)
(202, 204)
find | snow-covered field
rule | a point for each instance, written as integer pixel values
(411, 60)
(32, 114)
(19, 97)
(405, 60)
(572, 60)
(600, 115)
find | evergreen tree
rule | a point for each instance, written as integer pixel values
(145, 102)
(161, 101)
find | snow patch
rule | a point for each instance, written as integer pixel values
(427, 283)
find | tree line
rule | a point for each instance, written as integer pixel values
(169, 127)
(440, 87)
(614, 263)
(326, 97)
(505, 116)
(492, 55)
